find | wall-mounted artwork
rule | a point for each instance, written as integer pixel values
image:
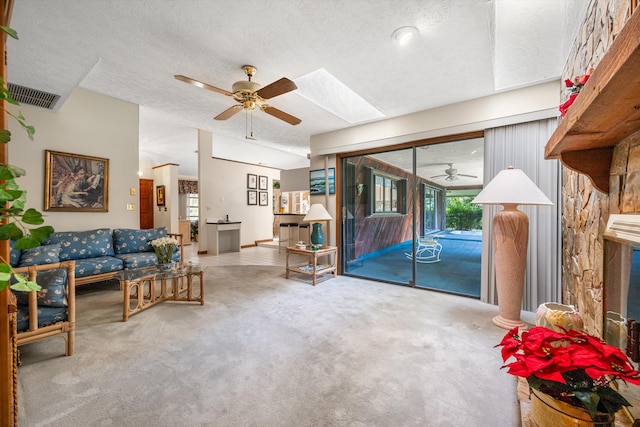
(263, 183)
(252, 181)
(317, 183)
(75, 183)
(160, 196)
(252, 197)
(264, 198)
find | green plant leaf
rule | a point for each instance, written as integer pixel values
(24, 285)
(32, 217)
(41, 233)
(26, 242)
(590, 401)
(10, 31)
(10, 231)
(5, 135)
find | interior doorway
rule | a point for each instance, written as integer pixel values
(146, 204)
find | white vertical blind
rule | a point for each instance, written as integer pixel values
(522, 146)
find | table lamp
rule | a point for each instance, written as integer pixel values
(510, 188)
(317, 212)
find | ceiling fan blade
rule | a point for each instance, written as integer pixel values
(281, 115)
(276, 88)
(468, 176)
(201, 85)
(228, 112)
(438, 176)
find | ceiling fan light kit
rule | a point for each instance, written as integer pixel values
(451, 174)
(250, 95)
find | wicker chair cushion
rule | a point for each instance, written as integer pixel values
(98, 265)
(47, 254)
(53, 292)
(129, 241)
(83, 244)
(46, 316)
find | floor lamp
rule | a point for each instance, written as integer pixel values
(510, 188)
(317, 212)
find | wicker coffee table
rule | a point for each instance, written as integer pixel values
(148, 286)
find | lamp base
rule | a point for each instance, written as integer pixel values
(317, 238)
(503, 323)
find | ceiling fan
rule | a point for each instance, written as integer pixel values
(451, 174)
(250, 95)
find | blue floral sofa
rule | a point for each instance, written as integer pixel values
(98, 254)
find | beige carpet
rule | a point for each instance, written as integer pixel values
(266, 351)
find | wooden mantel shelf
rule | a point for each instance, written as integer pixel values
(606, 111)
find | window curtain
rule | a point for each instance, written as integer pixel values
(187, 187)
(522, 146)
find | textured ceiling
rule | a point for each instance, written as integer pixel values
(131, 50)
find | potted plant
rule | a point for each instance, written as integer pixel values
(570, 375)
(18, 224)
(164, 247)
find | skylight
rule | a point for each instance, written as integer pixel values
(323, 89)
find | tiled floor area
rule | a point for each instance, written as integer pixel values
(257, 255)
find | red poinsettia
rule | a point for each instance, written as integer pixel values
(572, 366)
(573, 88)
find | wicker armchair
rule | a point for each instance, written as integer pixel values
(51, 311)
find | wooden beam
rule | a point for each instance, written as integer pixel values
(8, 406)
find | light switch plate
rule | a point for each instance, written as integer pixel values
(132, 191)
(131, 207)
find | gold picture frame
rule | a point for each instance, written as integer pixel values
(76, 183)
(160, 196)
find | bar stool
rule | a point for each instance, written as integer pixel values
(303, 227)
(289, 226)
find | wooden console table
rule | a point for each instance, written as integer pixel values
(312, 268)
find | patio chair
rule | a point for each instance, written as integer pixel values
(427, 250)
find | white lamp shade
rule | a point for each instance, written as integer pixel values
(317, 212)
(511, 186)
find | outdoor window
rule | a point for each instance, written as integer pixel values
(388, 193)
(192, 207)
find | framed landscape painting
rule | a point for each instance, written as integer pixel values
(317, 179)
(75, 183)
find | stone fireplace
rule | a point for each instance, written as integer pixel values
(598, 142)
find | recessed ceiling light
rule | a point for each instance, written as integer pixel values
(404, 35)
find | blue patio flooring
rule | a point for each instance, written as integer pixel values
(457, 272)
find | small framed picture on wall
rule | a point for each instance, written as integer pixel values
(264, 198)
(252, 197)
(252, 181)
(263, 183)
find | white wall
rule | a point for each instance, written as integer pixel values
(89, 124)
(223, 191)
(168, 215)
(518, 106)
(294, 180)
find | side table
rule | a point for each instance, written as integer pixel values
(311, 267)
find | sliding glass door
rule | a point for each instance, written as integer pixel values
(394, 218)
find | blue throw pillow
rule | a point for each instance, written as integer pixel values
(47, 254)
(129, 241)
(54, 289)
(83, 244)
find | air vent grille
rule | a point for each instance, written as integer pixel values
(30, 96)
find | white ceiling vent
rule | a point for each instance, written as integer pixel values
(27, 95)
